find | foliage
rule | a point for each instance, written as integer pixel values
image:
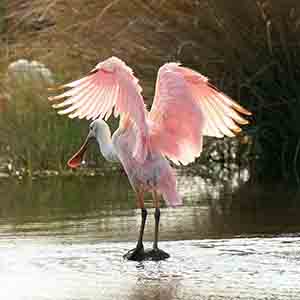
(250, 49)
(32, 135)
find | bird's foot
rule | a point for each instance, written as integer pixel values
(156, 254)
(136, 254)
(139, 254)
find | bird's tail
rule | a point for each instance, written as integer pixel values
(172, 198)
(167, 187)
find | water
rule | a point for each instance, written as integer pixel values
(64, 239)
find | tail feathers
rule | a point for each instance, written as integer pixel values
(167, 188)
(172, 198)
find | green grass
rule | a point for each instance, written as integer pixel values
(33, 136)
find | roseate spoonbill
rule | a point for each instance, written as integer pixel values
(185, 108)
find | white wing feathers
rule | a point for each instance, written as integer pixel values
(110, 86)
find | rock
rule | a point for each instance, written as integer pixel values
(25, 70)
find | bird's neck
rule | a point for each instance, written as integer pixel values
(105, 144)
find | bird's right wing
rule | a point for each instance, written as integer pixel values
(186, 107)
(110, 85)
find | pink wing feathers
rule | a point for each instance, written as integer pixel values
(222, 114)
(110, 85)
(186, 107)
(176, 121)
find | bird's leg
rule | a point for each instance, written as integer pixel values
(156, 253)
(157, 218)
(141, 205)
(138, 253)
(140, 240)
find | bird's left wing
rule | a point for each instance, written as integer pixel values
(110, 85)
(186, 106)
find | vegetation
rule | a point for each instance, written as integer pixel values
(34, 136)
(251, 50)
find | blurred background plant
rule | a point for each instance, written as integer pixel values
(31, 134)
(250, 50)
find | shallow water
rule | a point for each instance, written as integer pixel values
(65, 238)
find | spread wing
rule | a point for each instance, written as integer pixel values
(186, 107)
(110, 86)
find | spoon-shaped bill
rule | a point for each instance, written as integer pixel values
(77, 158)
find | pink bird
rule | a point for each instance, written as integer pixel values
(185, 108)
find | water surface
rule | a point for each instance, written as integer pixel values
(65, 238)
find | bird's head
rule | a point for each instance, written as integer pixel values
(98, 128)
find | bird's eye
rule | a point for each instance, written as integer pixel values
(91, 126)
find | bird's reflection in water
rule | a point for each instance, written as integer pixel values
(155, 285)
